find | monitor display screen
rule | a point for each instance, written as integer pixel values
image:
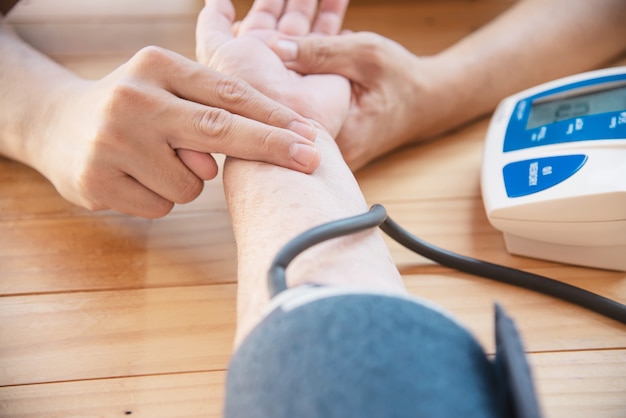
(547, 111)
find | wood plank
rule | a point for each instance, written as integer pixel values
(581, 384)
(424, 27)
(95, 253)
(74, 336)
(446, 168)
(67, 39)
(163, 396)
(36, 11)
(596, 379)
(197, 247)
(546, 324)
(68, 10)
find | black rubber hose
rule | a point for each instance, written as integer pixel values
(377, 216)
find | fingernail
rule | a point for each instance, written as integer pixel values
(287, 50)
(304, 129)
(303, 154)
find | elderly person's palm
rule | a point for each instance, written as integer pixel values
(323, 98)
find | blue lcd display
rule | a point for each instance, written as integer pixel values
(588, 110)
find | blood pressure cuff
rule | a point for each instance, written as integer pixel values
(327, 353)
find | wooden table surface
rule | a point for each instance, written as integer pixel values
(106, 315)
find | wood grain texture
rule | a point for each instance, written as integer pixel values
(107, 315)
(184, 395)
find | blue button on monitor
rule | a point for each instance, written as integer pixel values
(522, 178)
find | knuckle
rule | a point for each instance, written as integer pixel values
(124, 96)
(150, 57)
(214, 122)
(367, 37)
(373, 50)
(232, 91)
(371, 42)
(86, 185)
(188, 187)
(315, 56)
(268, 143)
(276, 116)
(158, 209)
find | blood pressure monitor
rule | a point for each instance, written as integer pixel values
(554, 170)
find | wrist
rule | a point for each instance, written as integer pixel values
(50, 119)
(444, 96)
(30, 91)
(269, 205)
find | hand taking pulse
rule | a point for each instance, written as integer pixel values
(399, 98)
(140, 139)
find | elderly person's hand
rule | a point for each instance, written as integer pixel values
(242, 51)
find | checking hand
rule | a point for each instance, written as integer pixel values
(399, 98)
(140, 139)
(390, 88)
